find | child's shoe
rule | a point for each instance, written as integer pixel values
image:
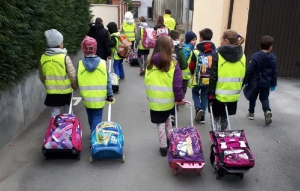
(202, 120)
(142, 72)
(250, 116)
(199, 113)
(163, 151)
(268, 117)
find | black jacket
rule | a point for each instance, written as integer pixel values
(158, 26)
(263, 67)
(98, 32)
(232, 54)
(112, 28)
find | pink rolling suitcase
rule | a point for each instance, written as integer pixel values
(185, 150)
(230, 151)
(63, 138)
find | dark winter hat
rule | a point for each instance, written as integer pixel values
(189, 36)
(89, 45)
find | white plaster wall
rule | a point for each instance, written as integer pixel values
(143, 9)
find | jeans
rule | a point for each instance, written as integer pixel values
(118, 68)
(141, 63)
(56, 110)
(94, 117)
(200, 99)
(264, 93)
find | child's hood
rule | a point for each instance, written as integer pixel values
(112, 27)
(143, 24)
(231, 53)
(206, 46)
(266, 57)
(91, 63)
(54, 51)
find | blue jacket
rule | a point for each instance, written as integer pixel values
(263, 66)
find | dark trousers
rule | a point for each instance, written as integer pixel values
(263, 93)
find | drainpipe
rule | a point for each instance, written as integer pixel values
(230, 14)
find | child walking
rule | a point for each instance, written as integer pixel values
(114, 42)
(263, 68)
(200, 67)
(141, 22)
(94, 82)
(57, 73)
(226, 78)
(163, 84)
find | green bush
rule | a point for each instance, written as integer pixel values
(22, 26)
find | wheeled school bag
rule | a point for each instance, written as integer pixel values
(63, 138)
(230, 151)
(185, 150)
(107, 140)
(114, 79)
(133, 58)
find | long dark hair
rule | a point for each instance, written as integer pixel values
(160, 20)
(164, 46)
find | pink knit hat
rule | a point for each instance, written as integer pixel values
(89, 45)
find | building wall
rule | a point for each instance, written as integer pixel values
(143, 9)
(217, 19)
(108, 13)
(174, 5)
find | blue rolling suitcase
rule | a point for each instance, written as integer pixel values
(107, 140)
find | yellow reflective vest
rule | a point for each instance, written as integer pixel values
(93, 85)
(169, 22)
(114, 50)
(159, 88)
(56, 78)
(129, 30)
(230, 79)
(186, 74)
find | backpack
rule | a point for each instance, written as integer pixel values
(149, 37)
(163, 31)
(181, 57)
(203, 68)
(124, 47)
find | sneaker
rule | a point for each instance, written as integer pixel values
(202, 120)
(199, 114)
(268, 117)
(122, 78)
(142, 72)
(163, 151)
(173, 120)
(250, 116)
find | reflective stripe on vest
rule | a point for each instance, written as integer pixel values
(159, 88)
(169, 22)
(140, 46)
(129, 31)
(186, 74)
(230, 79)
(56, 78)
(114, 50)
(93, 85)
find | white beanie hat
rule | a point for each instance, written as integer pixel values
(128, 17)
(54, 38)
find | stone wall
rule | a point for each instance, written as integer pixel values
(21, 104)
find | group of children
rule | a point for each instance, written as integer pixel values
(216, 76)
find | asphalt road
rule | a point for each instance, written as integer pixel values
(276, 149)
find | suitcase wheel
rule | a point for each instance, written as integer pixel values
(91, 160)
(78, 158)
(200, 173)
(175, 172)
(123, 159)
(217, 176)
(241, 176)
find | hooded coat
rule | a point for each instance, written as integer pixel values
(231, 54)
(98, 32)
(138, 37)
(162, 116)
(263, 67)
(112, 28)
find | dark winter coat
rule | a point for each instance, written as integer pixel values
(98, 32)
(158, 26)
(112, 28)
(263, 67)
(232, 54)
(162, 116)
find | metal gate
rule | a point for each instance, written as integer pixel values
(281, 20)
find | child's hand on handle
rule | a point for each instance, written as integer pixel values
(181, 102)
(273, 88)
(110, 98)
(211, 96)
